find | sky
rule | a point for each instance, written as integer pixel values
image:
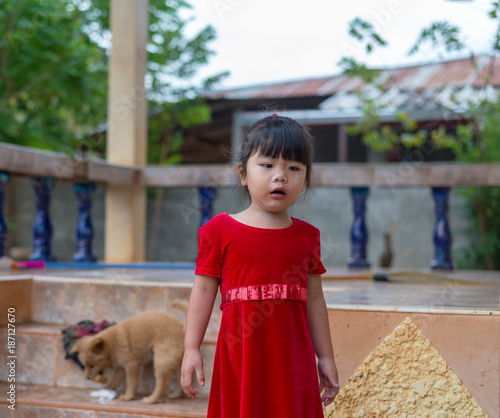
(265, 41)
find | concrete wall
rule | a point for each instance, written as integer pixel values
(407, 214)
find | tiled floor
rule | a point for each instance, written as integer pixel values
(448, 294)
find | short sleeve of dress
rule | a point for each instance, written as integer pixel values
(315, 265)
(208, 262)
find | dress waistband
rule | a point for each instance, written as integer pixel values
(264, 292)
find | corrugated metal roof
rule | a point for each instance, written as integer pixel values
(425, 89)
(457, 73)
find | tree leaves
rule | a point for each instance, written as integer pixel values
(440, 34)
(354, 68)
(478, 140)
(53, 63)
(45, 62)
(364, 32)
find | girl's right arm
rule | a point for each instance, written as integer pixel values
(200, 307)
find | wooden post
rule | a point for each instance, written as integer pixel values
(125, 230)
(4, 178)
(342, 144)
(236, 136)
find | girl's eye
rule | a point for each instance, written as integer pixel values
(293, 168)
(267, 165)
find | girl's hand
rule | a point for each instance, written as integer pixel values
(328, 380)
(192, 364)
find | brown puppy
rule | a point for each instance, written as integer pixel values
(127, 346)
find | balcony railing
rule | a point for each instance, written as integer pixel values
(44, 168)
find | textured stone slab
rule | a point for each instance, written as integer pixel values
(405, 376)
(474, 359)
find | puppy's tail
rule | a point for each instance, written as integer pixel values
(181, 305)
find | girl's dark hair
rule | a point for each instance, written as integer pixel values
(278, 136)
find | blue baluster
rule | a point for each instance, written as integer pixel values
(42, 230)
(359, 233)
(442, 234)
(207, 195)
(84, 229)
(4, 178)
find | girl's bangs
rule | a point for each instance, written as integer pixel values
(289, 145)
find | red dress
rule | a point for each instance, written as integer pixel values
(264, 366)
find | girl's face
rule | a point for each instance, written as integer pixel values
(274, 183)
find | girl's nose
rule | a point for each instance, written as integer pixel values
(279, 176)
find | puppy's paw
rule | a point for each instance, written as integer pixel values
(126, 397)
(150, 399)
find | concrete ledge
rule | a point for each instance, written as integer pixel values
(26, 161)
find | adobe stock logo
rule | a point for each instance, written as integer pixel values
(222, 7)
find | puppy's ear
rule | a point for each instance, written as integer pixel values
(97, 345)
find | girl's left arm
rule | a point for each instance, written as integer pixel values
(319, 329)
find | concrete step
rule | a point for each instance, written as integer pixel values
(40, 360)
(69, 300)
(45, 305)
(44, 401)
(110, 296)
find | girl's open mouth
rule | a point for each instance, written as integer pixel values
(278, 192)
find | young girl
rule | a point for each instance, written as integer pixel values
(268, 267)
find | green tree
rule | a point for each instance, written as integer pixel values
(476, 139)
(53, 60)
(53, 78)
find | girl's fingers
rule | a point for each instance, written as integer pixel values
(330, 387)
(187, 385)
(200, 376)
(328, 396)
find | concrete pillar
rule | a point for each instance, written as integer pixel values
(125, 230)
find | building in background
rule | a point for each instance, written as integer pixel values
(327, 105)
(427, 93)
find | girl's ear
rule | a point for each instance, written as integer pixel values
(241, 174)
